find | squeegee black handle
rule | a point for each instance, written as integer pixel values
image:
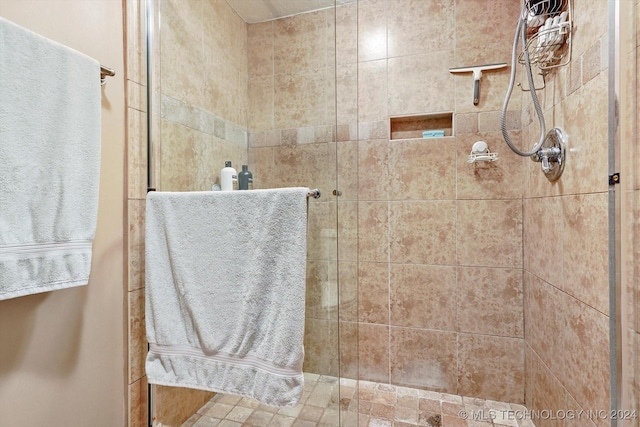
(476, 91)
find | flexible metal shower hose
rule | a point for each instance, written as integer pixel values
(521, 31)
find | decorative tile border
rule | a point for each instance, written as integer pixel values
(203, 121)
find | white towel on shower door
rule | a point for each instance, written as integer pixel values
(50, 114)
(225, 291)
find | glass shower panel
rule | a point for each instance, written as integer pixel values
(261, 94)
(627, 203)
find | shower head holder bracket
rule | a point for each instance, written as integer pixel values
(552, 154)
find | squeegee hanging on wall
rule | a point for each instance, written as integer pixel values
(477, 74)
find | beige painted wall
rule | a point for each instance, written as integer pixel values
(62, 352)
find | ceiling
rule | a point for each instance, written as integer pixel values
(253, 11)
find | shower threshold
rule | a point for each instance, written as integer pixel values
(331, 402)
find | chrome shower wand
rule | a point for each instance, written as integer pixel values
(477, 74)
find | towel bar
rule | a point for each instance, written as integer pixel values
(104, 73)
(315, 193)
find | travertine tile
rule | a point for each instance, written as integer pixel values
(177, 156)
(420, 241)
(183, 77)
(372, 30)
(373, 292)
(418, 83)
(137, 335)
(135, 43)
(585, 249)
(373, 231)
(372, 91)
(414, 172)
(136, 154)
(488, 180)
(490, 301)
(309, 165)
(226, 70)
(321, 346)
(174, 405)
(586, 334)
(408, 32)
(491, 367)
(258, 418)
(589, 24)
(348, 172)
(489, 233)
(581, 118)
(263, 167)
(465, 123)
(484, 22)
(138, 413)
(321, 231)
(544, 322)
(136, 96)
(422, 296)
(299, 42)
(591, 62)
(135, 255)
(348, 349)
(261, 107)
(373, 352)
(348, 231)
(321, 290)
(260, 48)
(300, 98)
(544, 256)
(546, 392)
(423, 358)
(489, 121)
(348, 283)
(373, 169)
(347, 94)
(347, 33)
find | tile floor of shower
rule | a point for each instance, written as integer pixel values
(327, 399)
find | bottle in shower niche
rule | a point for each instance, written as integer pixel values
(245, 179)
(228, 177)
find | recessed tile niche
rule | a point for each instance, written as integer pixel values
(412, 127)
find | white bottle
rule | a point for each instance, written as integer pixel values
(228, 177)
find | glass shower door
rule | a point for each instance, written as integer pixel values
(262, 94)
(626, 375)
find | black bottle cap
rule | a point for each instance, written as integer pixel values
(227, 164)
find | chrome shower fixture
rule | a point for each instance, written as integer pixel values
(477, 74)
(550, 148)
(552, 154)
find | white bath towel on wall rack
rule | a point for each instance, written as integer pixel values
(225, 291)
(50, 113)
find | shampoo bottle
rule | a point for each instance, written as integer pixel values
(245, 179)
(228, 177)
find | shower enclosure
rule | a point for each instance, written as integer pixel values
(426, 275)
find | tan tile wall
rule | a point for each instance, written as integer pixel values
(204, 96)
(566, 236)
(439, 241)
(430, 248)
(292, 143)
